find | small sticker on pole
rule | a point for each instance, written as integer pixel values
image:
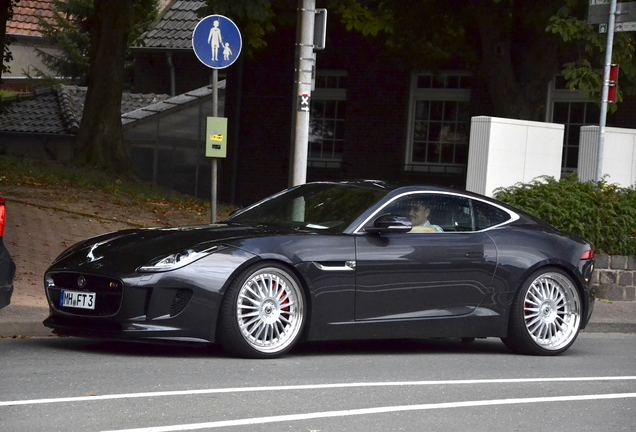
(303, 102)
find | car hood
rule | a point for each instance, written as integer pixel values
(125, 251)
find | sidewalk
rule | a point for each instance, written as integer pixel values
(608, 317)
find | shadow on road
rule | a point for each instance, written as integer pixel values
(307, 349)
(132, 348)
(420, 346)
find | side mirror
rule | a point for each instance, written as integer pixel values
(390, 224)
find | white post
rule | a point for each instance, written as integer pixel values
(606, 73)
(304, 65)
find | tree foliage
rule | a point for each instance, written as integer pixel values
(6, 12)
(585, 51)
(513, 47)
(255, 18)
(70, 30)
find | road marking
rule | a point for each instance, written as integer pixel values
(376, 410)
(311, 387)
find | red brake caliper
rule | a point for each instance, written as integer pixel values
(286, 302)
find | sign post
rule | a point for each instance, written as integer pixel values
(217, 43)
(611, 17)
(608, 61)
(305, 67)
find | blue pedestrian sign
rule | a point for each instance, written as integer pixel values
(216, 41)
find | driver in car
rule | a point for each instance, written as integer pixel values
(419, 214)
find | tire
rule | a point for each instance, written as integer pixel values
(263, 312)
(545, 317)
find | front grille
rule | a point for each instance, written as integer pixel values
(108, 293)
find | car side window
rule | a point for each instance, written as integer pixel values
(434, 213)
(487, 216)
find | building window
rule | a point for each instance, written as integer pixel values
(439, 123)
(327, 119)
(573, 110)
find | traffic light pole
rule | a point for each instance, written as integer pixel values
(304, 68)
(606, 82)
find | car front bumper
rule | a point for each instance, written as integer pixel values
(180, 305)
(142, 311)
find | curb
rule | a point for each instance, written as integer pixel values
(23, 329)
(25, 321)
(610, 327)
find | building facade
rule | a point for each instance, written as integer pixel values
(372, 115)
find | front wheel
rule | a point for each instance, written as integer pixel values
(263, 312)
(546, 315)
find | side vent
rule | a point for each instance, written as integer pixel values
(180, 301)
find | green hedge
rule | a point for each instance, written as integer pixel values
(601, 213)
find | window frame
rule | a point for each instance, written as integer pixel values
(564, 95)
(473, 214)
(359, 230)
(328, 94)
(432, 95)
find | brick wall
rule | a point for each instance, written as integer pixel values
(615, 277)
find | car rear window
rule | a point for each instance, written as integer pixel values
(487, 215)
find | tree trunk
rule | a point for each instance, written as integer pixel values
(5, 6)
(518, 57)
(496, 68)
(100, 140)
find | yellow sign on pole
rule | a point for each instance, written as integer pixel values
(216, 137)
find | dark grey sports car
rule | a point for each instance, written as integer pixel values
(348, 260)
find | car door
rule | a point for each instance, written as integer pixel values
(441, 268)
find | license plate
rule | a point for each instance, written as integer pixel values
(76, 299)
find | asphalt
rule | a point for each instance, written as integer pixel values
(75, 384)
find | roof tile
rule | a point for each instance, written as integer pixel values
(174, 29)
(59, 110)
(40, 114)
(26, 16)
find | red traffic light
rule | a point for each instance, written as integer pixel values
(613, 75)
(613, 84)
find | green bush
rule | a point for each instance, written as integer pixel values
(599, 212)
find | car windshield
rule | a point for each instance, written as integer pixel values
(318, 206)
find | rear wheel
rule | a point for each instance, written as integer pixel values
(263, 312)
(546, 315)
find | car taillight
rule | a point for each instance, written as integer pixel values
(588, 254)
(2, 216)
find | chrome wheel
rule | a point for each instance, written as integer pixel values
(552, 311)
(269, 310)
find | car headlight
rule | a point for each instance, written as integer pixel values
(177, 260)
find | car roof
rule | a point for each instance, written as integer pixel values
(401, 187)
(395, 188)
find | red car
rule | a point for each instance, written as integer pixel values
(7, 267)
